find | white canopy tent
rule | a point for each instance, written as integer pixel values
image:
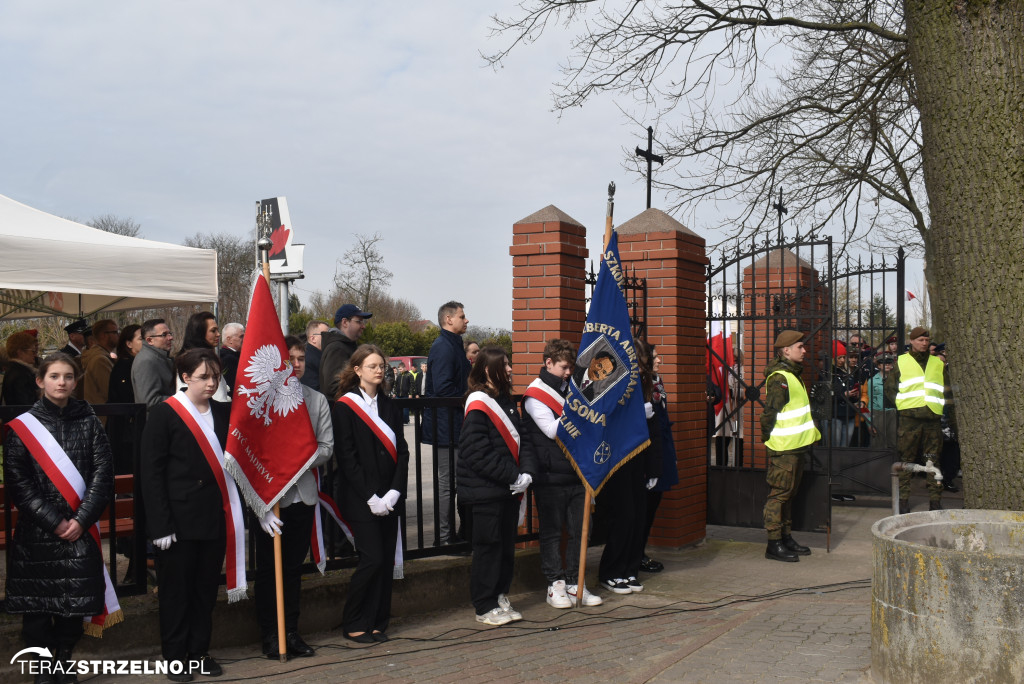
(51, 266)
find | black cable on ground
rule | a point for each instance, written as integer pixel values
(524, 628)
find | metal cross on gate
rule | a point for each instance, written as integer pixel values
(649, 155)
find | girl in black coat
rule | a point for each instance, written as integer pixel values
(55, 576)
(492, 474)
(374, 470)
(625, 497)
(185, 512)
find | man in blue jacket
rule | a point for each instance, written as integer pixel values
(449, 371)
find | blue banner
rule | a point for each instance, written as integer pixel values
(603, 423)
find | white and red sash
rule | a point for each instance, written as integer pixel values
(382, 430)
(543, 393)
(206, 438)
(386, 436)
(55, 462)
(481, 401)
(317, 538)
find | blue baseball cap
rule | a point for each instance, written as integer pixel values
(349, 311)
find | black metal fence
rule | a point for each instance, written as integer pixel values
(125, 536)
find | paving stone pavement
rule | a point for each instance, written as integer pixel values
(720, 612)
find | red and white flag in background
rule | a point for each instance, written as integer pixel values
(720, 358)
(270, 439)
(910, 295)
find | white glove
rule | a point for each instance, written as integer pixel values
(164, 543)
(648, 409)
(391, 499)
(522, 483)
(651, 482)
(377, 506)
(271, 524)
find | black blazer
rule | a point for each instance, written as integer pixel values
(179, 491)
(366, 466)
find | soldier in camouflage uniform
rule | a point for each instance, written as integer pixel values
(788, 432)
(920, 411)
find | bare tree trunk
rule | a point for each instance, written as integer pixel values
(968, 62)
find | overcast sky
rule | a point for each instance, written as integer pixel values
(368, 117)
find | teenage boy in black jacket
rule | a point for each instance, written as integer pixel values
(558, 490)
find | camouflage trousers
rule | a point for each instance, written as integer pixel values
(917, 437)
(784, 473)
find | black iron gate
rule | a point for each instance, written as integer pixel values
(752, 297)
(868, 325)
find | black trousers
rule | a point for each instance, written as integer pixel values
(494, 551)
(653, 501)
(189, 576)
(626, 495)
(295, 539)
(51, 631)
(368, 606)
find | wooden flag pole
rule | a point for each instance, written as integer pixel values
(282, 648)
(264, 246)
(588, 498)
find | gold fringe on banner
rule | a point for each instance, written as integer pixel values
(94, 630)
(593, 492)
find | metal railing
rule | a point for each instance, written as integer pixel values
(420, 536)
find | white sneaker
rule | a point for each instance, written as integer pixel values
(506, 606)
(557, 597)
(588, 598)
(496, 617)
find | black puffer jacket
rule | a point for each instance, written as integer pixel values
(486, 467)
(47, 574)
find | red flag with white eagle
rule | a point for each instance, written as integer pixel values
(270, 438)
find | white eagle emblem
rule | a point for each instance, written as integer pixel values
(275, 387)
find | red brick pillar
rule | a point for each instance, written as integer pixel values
(672, 259)
(548, 263)
(548, 294)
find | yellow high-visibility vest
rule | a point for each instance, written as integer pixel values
(919, 388)
(794, 427)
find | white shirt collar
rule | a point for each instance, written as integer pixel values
(371, 402)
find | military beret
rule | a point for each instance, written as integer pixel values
(79, 326)
(788, 337)
(919, 331)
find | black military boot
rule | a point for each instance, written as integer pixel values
(934, 505)
(777, 551)
(904, 506)
(794, 546)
